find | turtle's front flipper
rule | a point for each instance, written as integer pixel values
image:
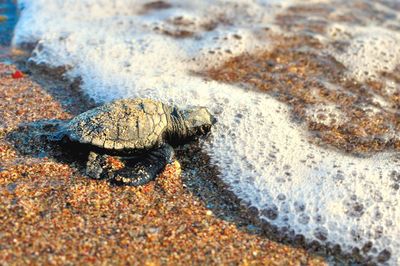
(144, 169)
(101, 166)
(96, 165)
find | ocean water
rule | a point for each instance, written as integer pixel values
(8, 10)
(160, 50)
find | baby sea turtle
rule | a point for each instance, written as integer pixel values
(140, 132)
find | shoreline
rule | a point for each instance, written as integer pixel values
(198, 182)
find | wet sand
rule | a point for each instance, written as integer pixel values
(53, 214)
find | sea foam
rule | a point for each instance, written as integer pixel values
(123, 48)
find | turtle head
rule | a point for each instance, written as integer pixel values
(198, 121)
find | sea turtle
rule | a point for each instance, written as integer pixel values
(140, 132)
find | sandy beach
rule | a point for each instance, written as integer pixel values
(302, 167)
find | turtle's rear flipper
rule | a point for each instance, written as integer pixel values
(144, 169)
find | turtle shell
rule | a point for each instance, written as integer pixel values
(128, 124)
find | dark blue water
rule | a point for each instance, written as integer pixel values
(8, 8)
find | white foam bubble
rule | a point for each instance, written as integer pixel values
(265, 158)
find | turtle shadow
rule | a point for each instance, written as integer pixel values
(31, 140)
(36, 140)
